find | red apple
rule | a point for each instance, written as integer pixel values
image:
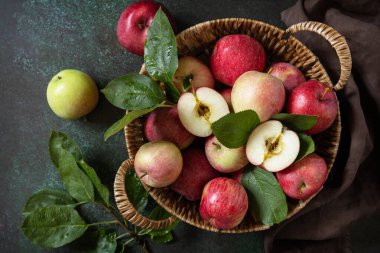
(314, 98)
(260, 92)
(224, 159)
(159, 163)
(288, 74)
(226, 93)
(224, 203)
(196, 173)
(238, 175)
(303, 178)
(163, 124)
(234, 55)
(134, 23)
(192, 70)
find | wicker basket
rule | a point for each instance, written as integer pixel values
(279, 45)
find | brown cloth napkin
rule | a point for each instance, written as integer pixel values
(353, 188)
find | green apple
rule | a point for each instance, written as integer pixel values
(72, 94)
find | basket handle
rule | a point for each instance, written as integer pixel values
(127, 209)
(336, 40)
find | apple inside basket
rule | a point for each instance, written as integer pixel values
(199, 41)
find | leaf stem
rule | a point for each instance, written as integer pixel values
(122, 235)
(129, 241)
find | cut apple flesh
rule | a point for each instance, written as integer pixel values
(272, 146)
(197, 111)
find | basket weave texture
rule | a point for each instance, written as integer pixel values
(279, 45)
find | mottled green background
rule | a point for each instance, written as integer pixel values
(38, 38)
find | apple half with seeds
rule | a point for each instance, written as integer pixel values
(272, 146)
(198, 110)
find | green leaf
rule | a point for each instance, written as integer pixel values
(53, 226)
(133, 92)
(160, 53)
(59, 141)
(233, 130)
(136, 192)
(160, 235)
(307, 146)
(75, 181)
(296, 122)
(267, 201)
(105, 241)
(47, 197)
(128, 118)
(100, 188)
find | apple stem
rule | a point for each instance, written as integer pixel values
(270, 70)
(327, 89)
(143, 175)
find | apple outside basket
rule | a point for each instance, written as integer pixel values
(279, 45)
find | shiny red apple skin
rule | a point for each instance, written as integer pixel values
(224, 203)
(134, 22)
(290, 75)
(314, 98)
(196, 173)
(163, 124)
(234, 55)
(303, 178)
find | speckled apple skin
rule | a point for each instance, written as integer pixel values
(130, 35)
(306, 99)
(224, 203)
(234, 55)
(303, 178)
(290, 75)
(163, 124)
(196, 173)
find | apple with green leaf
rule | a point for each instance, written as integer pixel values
(72, 94)
(192, 74)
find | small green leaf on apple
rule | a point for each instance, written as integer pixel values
(267, 201)
(307, 146)
(233, 130)
(160, 54)
(133, 92)
(296, 122)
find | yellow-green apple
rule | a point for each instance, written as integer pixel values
(303, 178)
(314, 98)
(163, 124)
(260, 92)
(226, 93)
(196, 173)
(290, 75)
(193, 73)
(234, 55)
(72, 94)
(224, 203)
(134, 22)
(224, 159)
(158, 164)
(198, 110)
(272, 146)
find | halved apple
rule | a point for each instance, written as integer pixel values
(272, 146)
(198, 110)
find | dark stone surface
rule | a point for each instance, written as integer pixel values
(38, 38)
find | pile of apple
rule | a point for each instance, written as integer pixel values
(184, 155)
